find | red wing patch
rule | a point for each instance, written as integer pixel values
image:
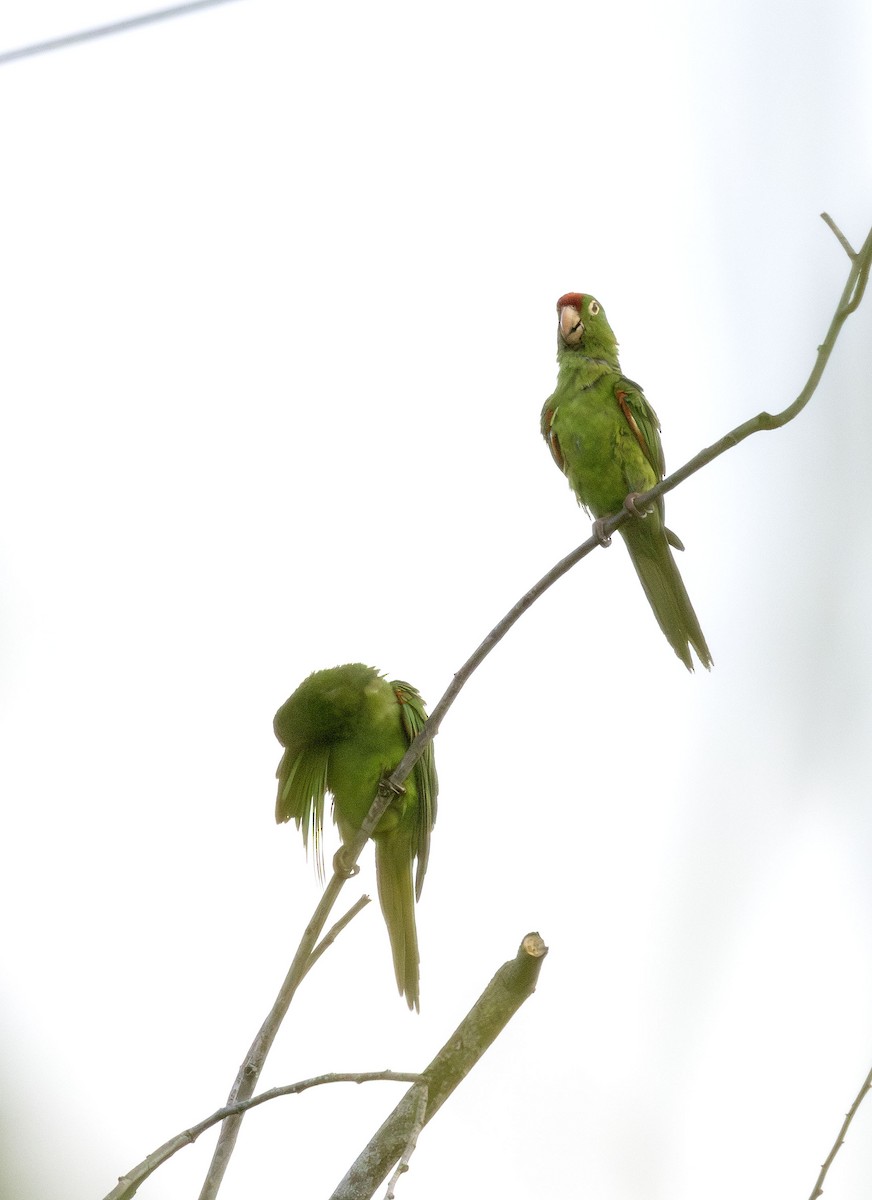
(553, 442)
(621, 398)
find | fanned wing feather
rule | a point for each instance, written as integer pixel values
(424, 771)
(302, 788)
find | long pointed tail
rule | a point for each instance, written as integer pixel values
(665, 590)
(393, 865)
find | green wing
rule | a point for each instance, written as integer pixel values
(302, 777)
(642, 419)
(424, 771)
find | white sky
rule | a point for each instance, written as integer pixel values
(277, 314)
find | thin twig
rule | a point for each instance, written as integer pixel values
(846, 245)
(128, 1184)
(333, 933)
(417, 1125)
(818, 1188)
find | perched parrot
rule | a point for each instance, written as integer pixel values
(343, 730)
(605, 438)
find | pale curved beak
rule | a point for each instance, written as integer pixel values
(571, 325)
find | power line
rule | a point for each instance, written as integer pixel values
(87, 35)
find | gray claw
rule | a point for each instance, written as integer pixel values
(599, 532)
(631, 506)
(342, 867)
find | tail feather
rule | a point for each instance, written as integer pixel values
(393, 863)
(666, 592)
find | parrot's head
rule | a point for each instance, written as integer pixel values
(582, 328)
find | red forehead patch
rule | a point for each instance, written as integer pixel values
(573, 298)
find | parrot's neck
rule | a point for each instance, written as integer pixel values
(584, 369)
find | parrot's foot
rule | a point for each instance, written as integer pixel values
(599, 532)
(632, 507)
(342, 866)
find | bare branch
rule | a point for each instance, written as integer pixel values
(513, 983)
(818, 1188)
(128, 1184)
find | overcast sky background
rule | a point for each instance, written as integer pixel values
(277, 312)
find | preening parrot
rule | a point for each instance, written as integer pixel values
(343, 729)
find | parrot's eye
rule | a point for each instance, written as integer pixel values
(593, 308)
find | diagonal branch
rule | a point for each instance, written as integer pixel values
(852, 294)
(513, 983)
(818, 1188)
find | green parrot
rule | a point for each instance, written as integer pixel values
(343, 730)
(605, 438)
